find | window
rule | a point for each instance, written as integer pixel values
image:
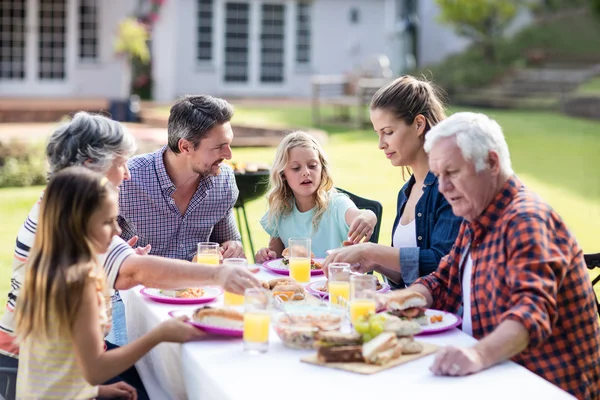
(88, 30)
(237, 36)
(205, 30)
(53, 37)
(303, 33)
(12, 39)
(354, 16)
(272, 43)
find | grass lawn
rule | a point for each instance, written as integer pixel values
(590, 87)
(554, 154)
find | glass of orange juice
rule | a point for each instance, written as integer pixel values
(208, 253)
(232, 299)
(257, 319)
(300, 256)
(362, 296)
(339, 283)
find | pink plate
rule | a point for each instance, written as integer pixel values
(215, 330)
(450, 321)
(210, 293)
(313, 288)
(278, 267)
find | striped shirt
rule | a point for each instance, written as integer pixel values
(50, 370)
(147, 209)
(527, 267)
(118, 251)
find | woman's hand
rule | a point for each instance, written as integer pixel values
(264, 255)
(362, 227)
(119, 390)
(236, 279)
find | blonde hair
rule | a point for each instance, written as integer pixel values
(62, 259)
(406, 97)
(280, 196)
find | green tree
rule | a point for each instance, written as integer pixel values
(483, 21)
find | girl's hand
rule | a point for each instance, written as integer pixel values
(119, 390)
(362, 227)
(177, 330)
(264, 255)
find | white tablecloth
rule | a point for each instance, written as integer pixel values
(219, 369)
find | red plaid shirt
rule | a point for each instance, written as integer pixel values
(527, 267)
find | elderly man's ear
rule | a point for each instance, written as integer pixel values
(494, 162)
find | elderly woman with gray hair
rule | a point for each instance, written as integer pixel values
(103, 145)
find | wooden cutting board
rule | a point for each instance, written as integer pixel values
(368, 369)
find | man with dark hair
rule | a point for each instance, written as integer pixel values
(182, 194)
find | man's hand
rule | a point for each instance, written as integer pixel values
(119, 390)
(236, 279)
(456, 361)
(232, 249)
(142, 251)
(355, 255)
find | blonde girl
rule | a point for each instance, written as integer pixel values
(61, 314)
(304, 203)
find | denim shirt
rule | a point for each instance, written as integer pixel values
(436, 226)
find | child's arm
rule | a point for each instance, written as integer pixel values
(272, 252)
(99, 366)
(362, 223)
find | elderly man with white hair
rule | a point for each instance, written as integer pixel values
(515, 270)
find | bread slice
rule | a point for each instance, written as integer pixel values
(404, 299)
(340, 354)
(372, 350)
(402, 327)
(219, 317)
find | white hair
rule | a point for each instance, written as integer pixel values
(476, 135)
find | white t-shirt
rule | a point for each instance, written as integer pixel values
(405, 235)
(467, 323)
(118, 251)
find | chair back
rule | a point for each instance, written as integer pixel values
(9, 375)
(366, 204)
(593, 261)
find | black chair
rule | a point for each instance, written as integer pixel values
(593, 261)
(252, 185)
(366, 204)
(10, 374)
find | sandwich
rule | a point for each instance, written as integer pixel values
(335, 346)
(285, 288)
(285, 254)
(219, 317)
(381, 349)
(401, 327)
(408, 305)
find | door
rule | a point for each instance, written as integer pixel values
(35, 46)
(254, 45)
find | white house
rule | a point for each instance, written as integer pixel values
(64, 48)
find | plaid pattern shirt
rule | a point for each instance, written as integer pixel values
(527, 267)
(147, 209)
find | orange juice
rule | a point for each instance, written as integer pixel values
(300, 269)
(256, 327)
(210, 259)
(360, 307)
(232, 299)
(338, 289)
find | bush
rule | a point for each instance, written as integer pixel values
(22, 164)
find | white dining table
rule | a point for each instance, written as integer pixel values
(217, 368)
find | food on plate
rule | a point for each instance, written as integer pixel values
(189, 293)
(370, 326)
(302, 332)
(285, 254)
(219, 317)
(436, 318)
(286, 289)
(382, 349)
(408, 305)
(337, 338)
(401, 327)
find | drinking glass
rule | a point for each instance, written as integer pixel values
(339, 283)
(208, 253)
(232, 299)
(300, 256)
(257, 319)
(362, 296)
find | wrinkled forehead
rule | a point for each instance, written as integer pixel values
(445, 154)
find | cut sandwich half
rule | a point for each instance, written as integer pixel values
(337, 338)
(382, 349)
(408, 305)
(219, 317)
